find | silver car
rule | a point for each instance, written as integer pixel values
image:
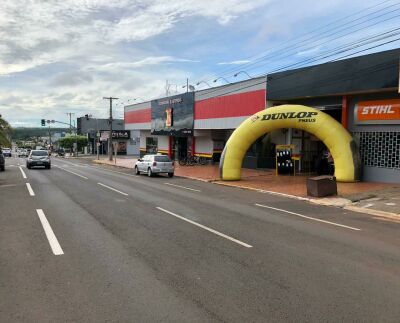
(154, 164)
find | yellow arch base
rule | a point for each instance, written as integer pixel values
(340, 143)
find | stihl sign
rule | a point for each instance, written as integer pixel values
(385, 110)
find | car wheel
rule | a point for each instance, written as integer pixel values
(149, 172)
(2, 168)
(170, 174)
(27, 166)
(137, 171)
(48, 167)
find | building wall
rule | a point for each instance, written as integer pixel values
(138, 116)
(226, 107)
(133, 144)
(379, 144)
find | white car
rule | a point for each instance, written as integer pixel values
(155, 164)
(22, 153)
(7, 152)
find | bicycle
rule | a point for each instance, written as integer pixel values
(192, 160)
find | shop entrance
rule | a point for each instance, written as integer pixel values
(314, 154)
(181, 147)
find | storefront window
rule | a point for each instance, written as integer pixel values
(151, 145)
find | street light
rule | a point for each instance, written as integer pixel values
(223, 78)
(134, 99)
(189, 86)
(198, 83)
(244, 72)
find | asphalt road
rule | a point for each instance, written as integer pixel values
(84, 243)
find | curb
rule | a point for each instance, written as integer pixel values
(343, 203)
(346, 204)
(383, 214)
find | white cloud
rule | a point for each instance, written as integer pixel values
(238, 62)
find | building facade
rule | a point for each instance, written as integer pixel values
(90, 127)
(194, 123)
(361, 93)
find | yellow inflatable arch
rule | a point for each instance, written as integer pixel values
(338, 140)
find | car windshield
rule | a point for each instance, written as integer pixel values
(39, 153)
(162, 159)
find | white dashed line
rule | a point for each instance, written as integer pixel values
(308, 217)
(206, 228)
(30, 190)
(22, 171)
(68, 171)
(184, 187)
(113, 189)
(51, 237)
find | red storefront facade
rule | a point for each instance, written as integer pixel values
(216, 113)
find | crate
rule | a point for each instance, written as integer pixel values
(321, 186)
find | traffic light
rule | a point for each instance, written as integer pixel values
(43, 122)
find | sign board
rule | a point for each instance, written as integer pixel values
(173, 115)
(121, 134)
(104, 136)
(378, 112)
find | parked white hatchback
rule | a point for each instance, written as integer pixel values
(154, 164)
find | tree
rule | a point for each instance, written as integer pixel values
(68, 142)
(5, 133)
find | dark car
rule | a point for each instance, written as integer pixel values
(2, 161)
(38, 158)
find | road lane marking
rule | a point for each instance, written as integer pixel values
(308, 217)
(30, 190)
(186, 188)
(51, 237)
(22, 171)
(113, 189)
(206, 228)
(68, 171)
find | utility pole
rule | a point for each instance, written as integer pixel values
(187, 85)
(70, 114)
(110, 157)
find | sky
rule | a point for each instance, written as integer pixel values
(65, 56)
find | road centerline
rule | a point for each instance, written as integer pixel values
(51, 237)
(113, 189)
(309, 217)
(22, 172)
(184, 187)
(206, 228)
(30, 190)
(68, 171)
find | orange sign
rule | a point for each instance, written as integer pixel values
(384, 110)
(168, 121)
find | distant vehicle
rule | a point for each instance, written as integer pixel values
(7, 152)
(38, 158)
(60, 152)
(22, 153)
(155, 164)
(2, 162)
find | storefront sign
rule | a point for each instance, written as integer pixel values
(378, 112)
(116, 134)
(173, 115)
(168, 121)
(121, 134)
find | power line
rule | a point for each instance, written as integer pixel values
(301, 40)
(295, 71)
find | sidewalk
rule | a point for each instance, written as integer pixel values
(363, 196)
